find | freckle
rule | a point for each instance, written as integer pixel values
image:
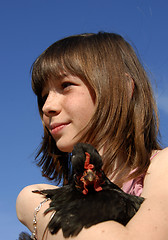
(148, 209)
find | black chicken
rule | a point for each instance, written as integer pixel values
(89, 198)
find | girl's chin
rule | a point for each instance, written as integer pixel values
(66, 144)
(65, 148)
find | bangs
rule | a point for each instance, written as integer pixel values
(60, 59)
(45, 68)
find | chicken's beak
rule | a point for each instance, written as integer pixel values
(90, 176)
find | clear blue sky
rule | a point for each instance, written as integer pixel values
(27, 27)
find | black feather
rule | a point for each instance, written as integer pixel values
(24, 236)
(82, 204)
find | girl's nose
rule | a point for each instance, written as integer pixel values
(52, 104)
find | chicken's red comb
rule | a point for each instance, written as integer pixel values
(87, 162)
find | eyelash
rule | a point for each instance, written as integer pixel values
(66, 84)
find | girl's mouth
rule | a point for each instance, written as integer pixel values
(55, 128)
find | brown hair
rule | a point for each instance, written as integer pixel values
(106, 62)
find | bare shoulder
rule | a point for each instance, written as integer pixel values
(157, 175)
(161, 157)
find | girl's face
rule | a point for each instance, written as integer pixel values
(68, 107)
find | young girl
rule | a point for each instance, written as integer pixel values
(92, 88)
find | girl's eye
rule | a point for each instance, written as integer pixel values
(65, 85)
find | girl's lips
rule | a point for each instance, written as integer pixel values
(55, 128)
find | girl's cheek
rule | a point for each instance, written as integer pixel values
(45, 121)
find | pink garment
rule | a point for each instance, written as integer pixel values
(135, 186)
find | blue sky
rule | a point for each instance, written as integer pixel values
(29, 27)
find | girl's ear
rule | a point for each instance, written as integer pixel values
(131, 85)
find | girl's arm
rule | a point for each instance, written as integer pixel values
(149, 223)
(25, 207)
